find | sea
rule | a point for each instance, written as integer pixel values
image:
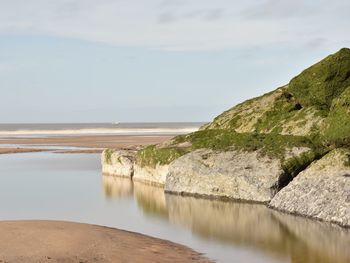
(123, 128)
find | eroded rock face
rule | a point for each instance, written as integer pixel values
(123, 163)
(153, 175)
(231, 174)
(119, 163)
(322, 191)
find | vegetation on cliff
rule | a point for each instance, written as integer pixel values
(307, 106)
(312, 111)
(273, 145)
(337, 124)
(152, 155)
(108, 155)
(320, 84)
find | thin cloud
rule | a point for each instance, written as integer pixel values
(204, 15)
(214, 14)
(179, 25)
(316, 42)
(6, 67)
(166, 18)
(276, 9)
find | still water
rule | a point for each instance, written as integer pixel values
(71, 187)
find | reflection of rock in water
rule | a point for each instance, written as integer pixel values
(299, 239)
(239, 223)
(151, 199)
(249, 225)
(319, 242)
(117, 187)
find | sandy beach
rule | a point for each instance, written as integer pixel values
(55, 241)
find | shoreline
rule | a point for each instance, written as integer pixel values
(61, 241)
(10, 150)
(81, 143)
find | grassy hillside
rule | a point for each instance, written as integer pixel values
(313, 103)
(320, 84)
(312, 111)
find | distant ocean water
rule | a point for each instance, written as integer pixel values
(70, 129)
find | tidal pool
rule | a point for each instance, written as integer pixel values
(70, 187)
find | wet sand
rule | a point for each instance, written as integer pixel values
(56, 241)
(19, 150)
(95, 143)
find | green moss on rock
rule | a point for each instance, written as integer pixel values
(324, 81)
(108, 155)
(285, 108)
(273, 145)
(338, 121)
(299, 108)
(295, 165)
(152, 155)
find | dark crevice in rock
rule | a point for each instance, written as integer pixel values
(282, 182)
(293, 168)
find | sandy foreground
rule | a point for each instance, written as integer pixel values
(55, 241)
(95, 143)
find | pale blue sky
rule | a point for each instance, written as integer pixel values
(155, 60)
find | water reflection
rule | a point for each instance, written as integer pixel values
(117, 187)
(151, 199)
(239, 224)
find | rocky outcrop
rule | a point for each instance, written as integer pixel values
(149, 174)
(253, 151)
(230, 174)
(123, 163)
(322, 191)
(119, 163)
(239, 175)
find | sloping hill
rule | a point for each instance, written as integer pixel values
(300, 108)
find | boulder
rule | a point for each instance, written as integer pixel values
(118, 162)
(155, 175)
(238, 175)
(322, 191)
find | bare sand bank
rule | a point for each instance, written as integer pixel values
(55, 241)
(19, 150)
(96, 143)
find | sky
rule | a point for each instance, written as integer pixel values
(155, 60)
